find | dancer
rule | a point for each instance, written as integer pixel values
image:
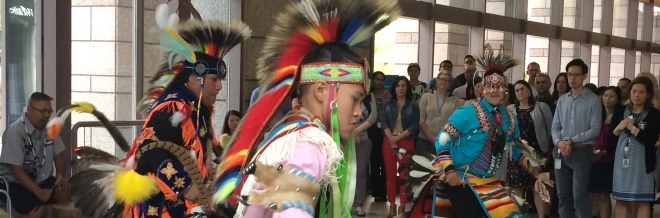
(308, 157)
(166, 170)
(470, 148)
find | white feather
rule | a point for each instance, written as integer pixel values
(173, 21)
(55, 121)
(193, 154)
(443, 139)
(177, 118)
(418, 190)
(518, 199)
(129, 163)
(423, 161)
(308, 9)
(417, 174)
(104, 167)
(162, 12)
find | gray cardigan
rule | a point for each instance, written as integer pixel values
(542, 117)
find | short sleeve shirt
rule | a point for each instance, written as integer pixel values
(24, 145)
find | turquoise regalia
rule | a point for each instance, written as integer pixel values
(472, 145)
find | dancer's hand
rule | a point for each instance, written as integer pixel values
(453, 179)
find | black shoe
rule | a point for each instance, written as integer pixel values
(380, 199)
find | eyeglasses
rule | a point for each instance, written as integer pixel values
(573, 75)
(43, 111)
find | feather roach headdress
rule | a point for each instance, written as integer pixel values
(495, 66)
(194, 47)
(302, 35)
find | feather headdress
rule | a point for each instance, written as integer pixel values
(192, 47)
(298, 31)
(495, 65)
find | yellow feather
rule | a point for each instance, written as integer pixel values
(83, 107)
(315, 35)
(133, 188)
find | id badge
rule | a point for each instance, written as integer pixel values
(557, 163)
(626, 163)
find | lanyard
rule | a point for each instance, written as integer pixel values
(440, 106)
(31, 145)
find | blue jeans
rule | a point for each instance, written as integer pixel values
(572, 182)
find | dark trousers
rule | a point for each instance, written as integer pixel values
(377, 168)
(464, 202)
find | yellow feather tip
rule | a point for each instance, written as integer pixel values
(83, 107)
(133, 188)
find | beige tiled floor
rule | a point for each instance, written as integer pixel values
(380, 209)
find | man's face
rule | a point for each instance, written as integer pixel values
(623, 84)
(542, 83)
(39, 112)
(575, 77)
(495, 94)
(413, 72)
(446, 66)
(533, 69)
(212, 86)
(470, 68)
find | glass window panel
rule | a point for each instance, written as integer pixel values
(499, 41)
(503, 8)
(102, 60)
(572, 14)
(536, 50)
(569, 51)
(451, 42)
(655, 64)
(539, 11)
(617, 65)
(396, 46)
(656, 24)
(598, 11)
(640, 21)
(593, 70)
(465, 4)
(620, 18)
(638, 60)
(21, 64)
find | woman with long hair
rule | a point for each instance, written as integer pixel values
(600, 180)
(635, 132)
(561, 86)
(535, 122)
(229, 127)
(400, 122)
